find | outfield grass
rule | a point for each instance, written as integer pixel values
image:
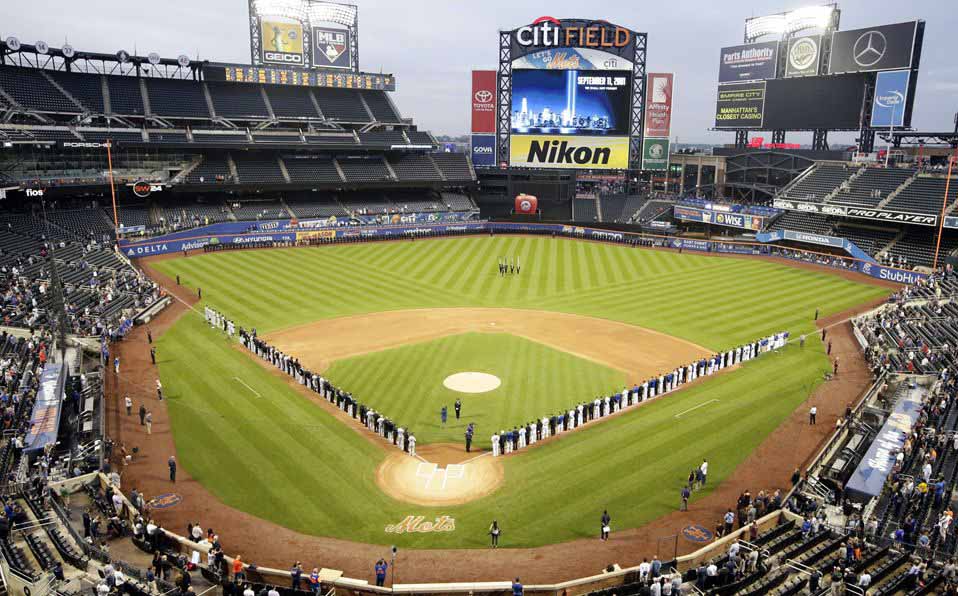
(282, 458)
(406, 383)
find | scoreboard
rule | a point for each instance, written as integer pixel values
(273, 75)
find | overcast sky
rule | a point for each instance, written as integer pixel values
(431, 45)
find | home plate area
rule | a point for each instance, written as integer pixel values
(436, 478)
(417, 480)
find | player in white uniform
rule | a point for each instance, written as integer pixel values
(545, 430)
(522, 437)
(495, 445)
(412, 444)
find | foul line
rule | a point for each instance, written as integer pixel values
(248, 387)
(471, 459)
(704, 403)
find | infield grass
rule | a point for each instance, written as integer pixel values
(280, 457)
(407, 383)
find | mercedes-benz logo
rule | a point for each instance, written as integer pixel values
(869, 48)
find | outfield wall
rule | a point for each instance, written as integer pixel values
(290, 232)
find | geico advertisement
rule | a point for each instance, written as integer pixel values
(550, 151)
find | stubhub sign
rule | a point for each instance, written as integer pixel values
(484, 150)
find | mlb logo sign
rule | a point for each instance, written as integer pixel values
(331, 48)
(483, 150)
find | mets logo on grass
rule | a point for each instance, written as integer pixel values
(549, 151)
(418, 524)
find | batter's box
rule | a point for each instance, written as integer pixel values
(436, 478)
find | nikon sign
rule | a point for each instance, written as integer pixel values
(552, 151)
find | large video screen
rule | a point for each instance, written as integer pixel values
(571, 102)
(833, 102)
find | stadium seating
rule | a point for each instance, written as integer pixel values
(414, 167)
(870, 240)
(305, 168)
(457, 202)
(87, 89)
(291, 102)
(125, 96)
(798, 221)
(178, 215)
(382, 137)
(32, 90)
(214, 169)
(237, 101)
(254, 210)
(340, 105)
(419, 137)
(585, 210)
(361, 169)
(380, 106)
(310, 204)
(917, 246)
(258, 168)
(923, 195)
(818, 183)
(880, 181)
(177, 99)
(454, 166)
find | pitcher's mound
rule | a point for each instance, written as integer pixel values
(413, 480)
(472, 382)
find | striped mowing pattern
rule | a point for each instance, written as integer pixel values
(277, 456)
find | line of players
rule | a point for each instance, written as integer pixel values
(399, 436)
(215, 319)
(505, 442)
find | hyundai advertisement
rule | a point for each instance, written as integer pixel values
(571, 102)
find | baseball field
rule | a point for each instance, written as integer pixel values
(390, 322)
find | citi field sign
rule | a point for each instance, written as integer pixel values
(549, 32)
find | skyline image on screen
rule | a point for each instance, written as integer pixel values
(570, 102)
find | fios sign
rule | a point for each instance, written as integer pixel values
(483, 101)
(549, 32)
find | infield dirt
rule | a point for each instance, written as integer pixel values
(268, 544)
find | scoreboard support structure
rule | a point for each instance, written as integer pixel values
(504, 100)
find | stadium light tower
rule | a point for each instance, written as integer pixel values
(785, 24)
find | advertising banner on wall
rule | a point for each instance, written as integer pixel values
(655, 154)
(891, 94)
(331, 48)
(887, 47)
(484, 101)
(804, 55)
(484, 150)
(554, 151)
(749, 62)
(744, 221)
(740, 105)
(658, 105)
(282, 41)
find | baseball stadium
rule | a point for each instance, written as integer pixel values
(265, 334)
